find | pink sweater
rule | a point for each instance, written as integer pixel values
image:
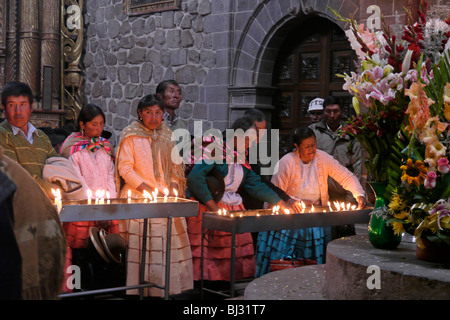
(288, 176)
(97, 173)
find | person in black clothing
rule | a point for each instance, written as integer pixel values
(259, 120)
(250, 203)
(10, 258)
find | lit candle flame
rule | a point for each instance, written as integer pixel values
(58, 203)
(129, 196)
(286, 211)
(353, 207)
(107, 197)
(57, 193)
(336, 204)
(147, 196)
(312, 208)
(175, 192)
(220, 212)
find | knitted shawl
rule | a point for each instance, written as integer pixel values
(77, 142)
(162, 147)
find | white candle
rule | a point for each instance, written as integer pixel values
(97, 196)
(147, 196)
(129, 196)
(58, 202)
(89, 195)
(107, 197)
(101, 199)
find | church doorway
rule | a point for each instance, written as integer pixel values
(308, 62)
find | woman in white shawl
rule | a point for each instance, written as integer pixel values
(303, 174)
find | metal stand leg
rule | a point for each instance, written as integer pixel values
(143, 253)
(201, 261)
(233, 263)
(168, 252)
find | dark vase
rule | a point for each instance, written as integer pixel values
(381, 235)
(433, 251)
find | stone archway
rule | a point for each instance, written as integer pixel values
(257, 48)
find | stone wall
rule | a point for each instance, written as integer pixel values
(127, 56)
(221, 52)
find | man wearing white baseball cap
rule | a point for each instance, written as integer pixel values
(315, 110)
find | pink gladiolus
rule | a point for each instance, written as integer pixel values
(430, 180)
(443, 166)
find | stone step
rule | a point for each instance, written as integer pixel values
(347, 276)
(301, 283)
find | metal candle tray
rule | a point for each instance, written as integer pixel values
(121, 209)
(266, 221)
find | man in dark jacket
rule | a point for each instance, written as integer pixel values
(10, 259)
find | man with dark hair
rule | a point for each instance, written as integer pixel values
(328, 139)
(21, 141)
(258, 118)
(170, 93)
(345, 150)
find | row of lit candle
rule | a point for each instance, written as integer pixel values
(153, 197)
(340, 206)
(100, 196)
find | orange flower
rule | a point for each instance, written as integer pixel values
(418, 108)
(414, 173)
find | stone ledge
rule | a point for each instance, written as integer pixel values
(402, 275)
(302, 283)
(344, 276)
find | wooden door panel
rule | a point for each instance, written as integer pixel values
(305, 69)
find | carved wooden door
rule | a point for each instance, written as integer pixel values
(306, 68)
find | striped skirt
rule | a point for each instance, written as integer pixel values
(308, 243)
(217, 250)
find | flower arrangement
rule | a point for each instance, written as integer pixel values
(402, 101)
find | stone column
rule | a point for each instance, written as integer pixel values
(50, 47)
(3, 15)
(11, 42)
(29, 44)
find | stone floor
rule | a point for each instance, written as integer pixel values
(310, 278)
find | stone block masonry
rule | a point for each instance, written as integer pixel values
(127, 56)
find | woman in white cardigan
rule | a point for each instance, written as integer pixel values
(303, 175)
